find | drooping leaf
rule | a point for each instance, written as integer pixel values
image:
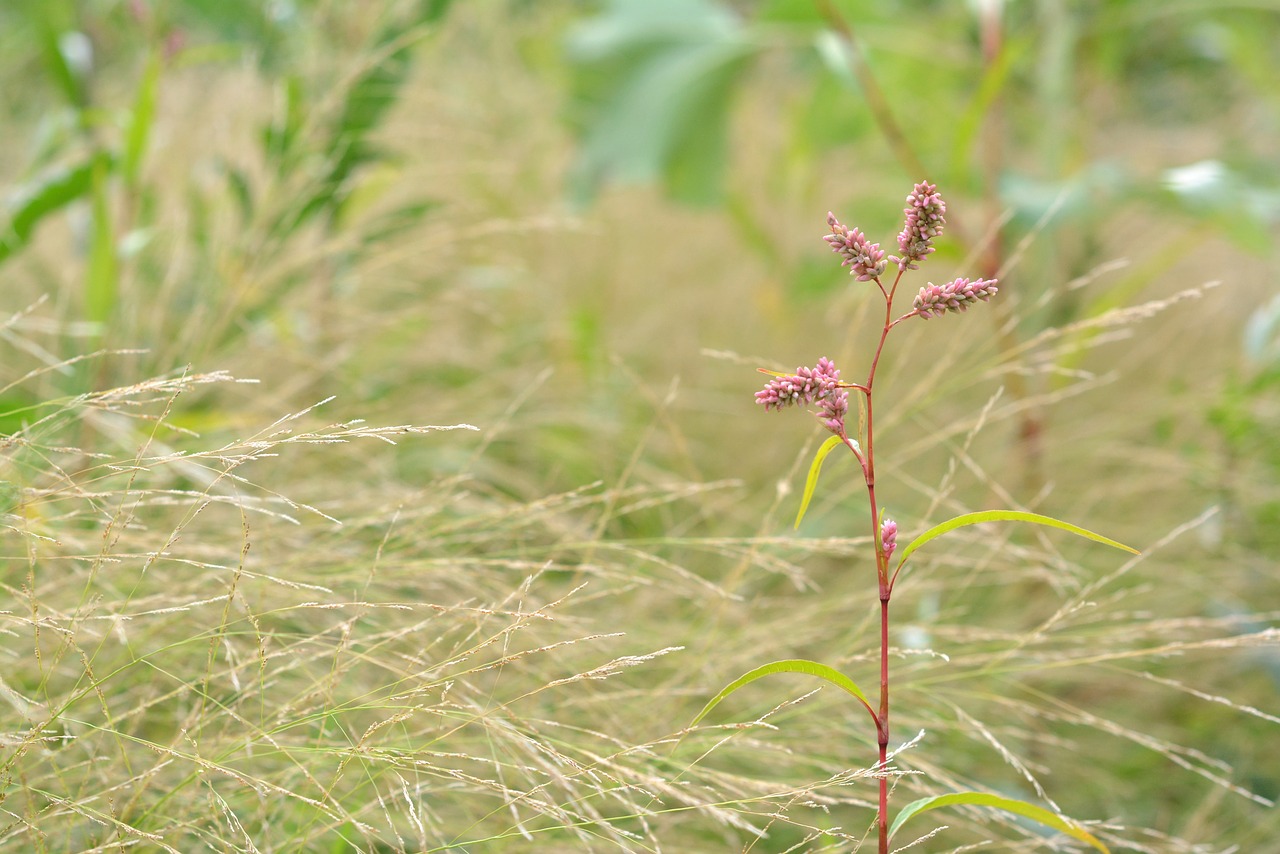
(41, 197)
(1006, 516)
(791, 665)
(981, 799)
(815, 468)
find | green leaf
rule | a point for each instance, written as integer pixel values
(368, 101)
(1006, 516)
(980, 799)
(995, 80)
(42, 197)
(139, 130)
(100, 283)
(790, 665)
(814, 469)
(652, 86)
(56, 43)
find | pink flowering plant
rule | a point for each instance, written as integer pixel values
(822, 389)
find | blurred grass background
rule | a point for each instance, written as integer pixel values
(580, 227)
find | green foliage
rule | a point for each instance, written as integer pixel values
(794, 665)
(45, 195)
(101, 278)
(652, 95)
(979, 799)
(815, 468)
(1005, 516)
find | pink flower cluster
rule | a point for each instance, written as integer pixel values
(936, 300)
(820, 383)
(926, 215)
(888, 537)
(866, 258)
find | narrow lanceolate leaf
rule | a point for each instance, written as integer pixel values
(814, 469)
(980, 799)
(1006, 516)
(791, 665)
(100, 281)
(139, 131)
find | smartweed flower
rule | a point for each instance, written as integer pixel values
(820, 383)
(926, 215)
(866, 258)
(888, 537)
(956, 296)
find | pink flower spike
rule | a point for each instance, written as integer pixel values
(864, 257)
(926, 215)
(955, 296)
(820, 383)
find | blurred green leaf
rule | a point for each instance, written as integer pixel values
(62, 48)
(995, 81)
(262, 26)
(653, 85)
(17, 408)
(1261, 339)
(981, 799)
(43, 196)
(280, 137)
(241, 190)
(100, 280)
(368, 100)
(397, 221)
(1244, 208)
(140, 120)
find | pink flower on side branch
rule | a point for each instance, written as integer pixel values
(956, 296)
(866, 258)
(820, 383)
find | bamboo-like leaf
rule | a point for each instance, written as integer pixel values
(814, 469)
(1006, 516)
(790, 665)
(980, 799)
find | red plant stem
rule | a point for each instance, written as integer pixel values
(882, 572)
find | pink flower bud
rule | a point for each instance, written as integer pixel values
(888, 537)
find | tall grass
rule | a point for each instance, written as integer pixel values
(230, 625)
